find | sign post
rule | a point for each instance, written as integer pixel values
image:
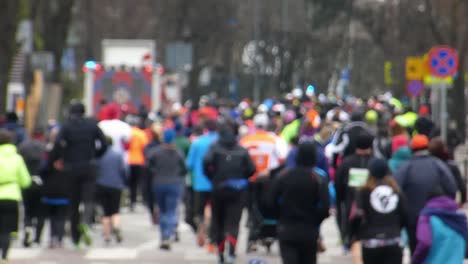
(443, 62)
(443, 111)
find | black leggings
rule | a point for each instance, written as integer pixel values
(136, 174)
(4, 245)
(226, 209)
(84, 185)
(34, 212)
(383, 255)
(298, 252)
(57, 215)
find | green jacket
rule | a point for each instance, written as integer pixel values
(14, 175)
(291, 131)
(183, 145)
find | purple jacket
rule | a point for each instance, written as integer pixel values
(446, 209)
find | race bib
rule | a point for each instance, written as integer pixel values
(358, 177)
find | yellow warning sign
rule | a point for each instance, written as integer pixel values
(414, 68)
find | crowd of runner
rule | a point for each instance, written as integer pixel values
(380, 168)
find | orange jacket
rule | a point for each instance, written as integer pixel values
(138, 141)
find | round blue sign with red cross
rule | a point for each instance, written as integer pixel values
(414, 88)
(443, 61)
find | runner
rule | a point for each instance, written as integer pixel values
(202, 187)
(14, 176)
(268, 152)
(110, 183)
(303, 201)
(228, 166)
(167, 168)
(79, 143)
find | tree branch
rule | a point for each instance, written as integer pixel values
(432, 23)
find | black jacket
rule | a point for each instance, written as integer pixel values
(349, 136)
(227, 160)
(461, 184)
(379, 214)
(55, 184)
(79, 143)
(303, 201)
(344, 193)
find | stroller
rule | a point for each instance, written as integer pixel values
(263, 218)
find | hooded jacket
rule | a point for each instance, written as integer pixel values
(226, 162)
(417, 179)
(380, 214)
(302, 198)
(76, 143)
(14, 175)
(442, 233)
(399, 158)
(166, 165)
(322, 161)
(194, 161)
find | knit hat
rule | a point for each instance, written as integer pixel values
(169, 136)
(364, 141)
(399, 142)
(261, 120)
(378, 168)
(419, 142)
(306, 154)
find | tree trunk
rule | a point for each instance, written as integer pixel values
(55, 33)
(9, 18)
(458, 106)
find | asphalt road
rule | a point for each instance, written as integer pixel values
(141, 241)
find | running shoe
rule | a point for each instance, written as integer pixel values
(85, 234)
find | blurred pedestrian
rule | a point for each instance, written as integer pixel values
(351, 175)
(14, 176)
(167, 168)
(136, 158)
(13, 125)
(78, 146)
(398, 158)
(119, 131)
(417, 178)
(156, 135)
(303, 200)
(33, 152)
(200, 183)
(228, 166)
(57, 189)
(110, 183)
(378, 216)
(439, 149)
(442, 231)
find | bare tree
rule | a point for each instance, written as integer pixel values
(9, 17)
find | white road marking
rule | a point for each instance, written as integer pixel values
(111, 254)
(150, 245)
(22, 253)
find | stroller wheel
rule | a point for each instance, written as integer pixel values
(268, 243)
(268, 248)
(251, 247)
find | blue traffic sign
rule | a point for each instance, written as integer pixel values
(443, 61)
(414, 88)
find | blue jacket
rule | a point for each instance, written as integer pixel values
(111, 170)
(442, 233)
(194, 161)
(417, 179)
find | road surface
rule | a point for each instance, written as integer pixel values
(141, 246)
